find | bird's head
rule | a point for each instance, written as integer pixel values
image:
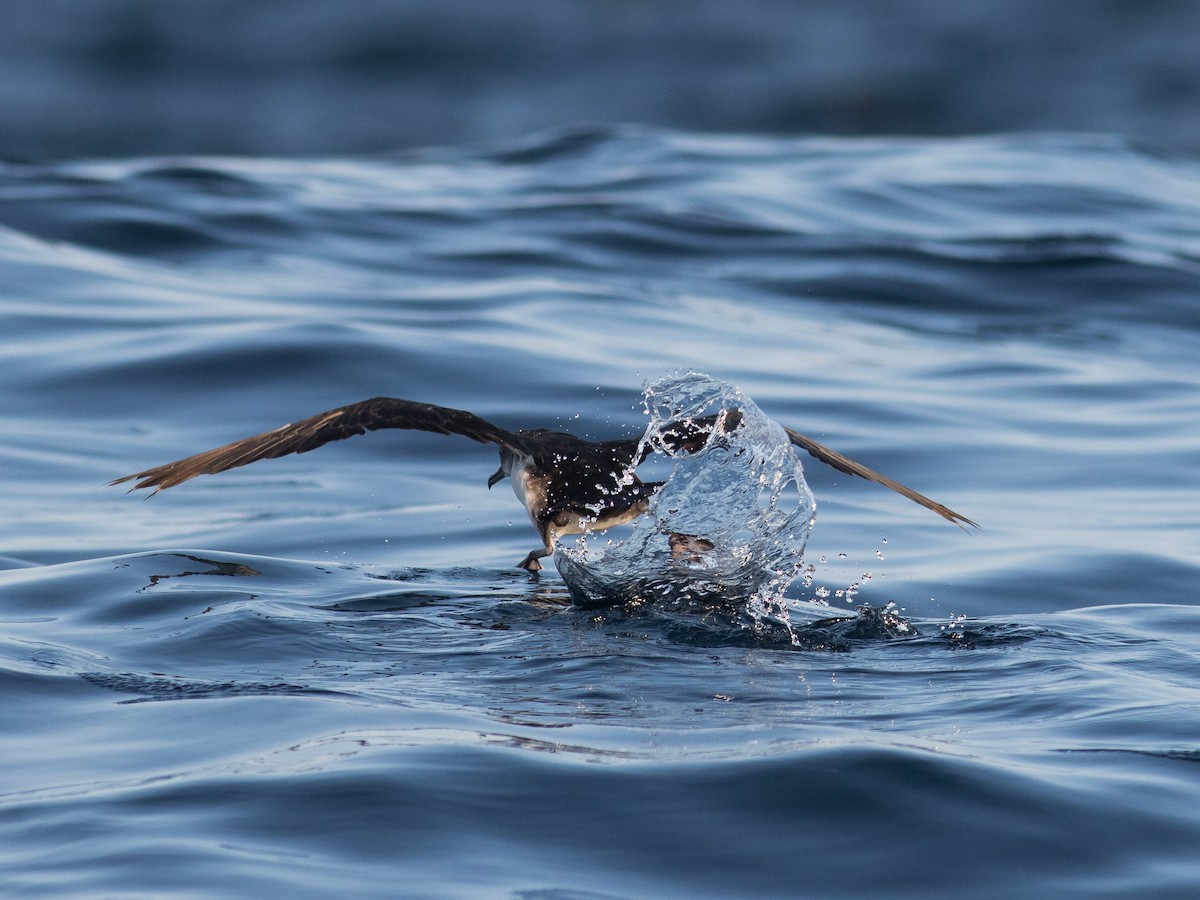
(507, 459)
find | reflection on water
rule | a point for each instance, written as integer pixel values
(215, 567)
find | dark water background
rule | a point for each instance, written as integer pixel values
(133, 77)
(322, 676)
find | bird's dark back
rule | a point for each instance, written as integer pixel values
(583, 474)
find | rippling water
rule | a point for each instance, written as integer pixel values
(323, 676)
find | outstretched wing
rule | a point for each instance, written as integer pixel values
(690, 435)
(334, 425)
(850, 467)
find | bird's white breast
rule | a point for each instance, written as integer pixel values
(530, 491)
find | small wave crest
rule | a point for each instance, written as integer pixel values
(729, 523)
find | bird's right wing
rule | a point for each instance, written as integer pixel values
(690, 435)
(333, 425)
(850, 467)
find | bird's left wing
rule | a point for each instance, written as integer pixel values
(333, 425)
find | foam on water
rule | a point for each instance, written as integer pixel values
(743, 493)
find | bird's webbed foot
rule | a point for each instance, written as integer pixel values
(530, 563)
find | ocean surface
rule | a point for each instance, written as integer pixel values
(307, 77)
(324, 676)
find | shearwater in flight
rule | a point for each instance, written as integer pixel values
(568, 485)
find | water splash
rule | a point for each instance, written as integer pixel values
(727, 527)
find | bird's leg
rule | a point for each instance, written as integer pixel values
(688, 544)
(688, 547)
(530, 563)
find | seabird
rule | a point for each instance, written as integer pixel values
(567, 484)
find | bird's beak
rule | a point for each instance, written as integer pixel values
(492, 481)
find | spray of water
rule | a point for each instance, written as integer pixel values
(727, 527)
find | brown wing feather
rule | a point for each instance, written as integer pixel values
(850, 467)
(690, 435)
(334, 425)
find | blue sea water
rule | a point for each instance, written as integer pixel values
(323, 676)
